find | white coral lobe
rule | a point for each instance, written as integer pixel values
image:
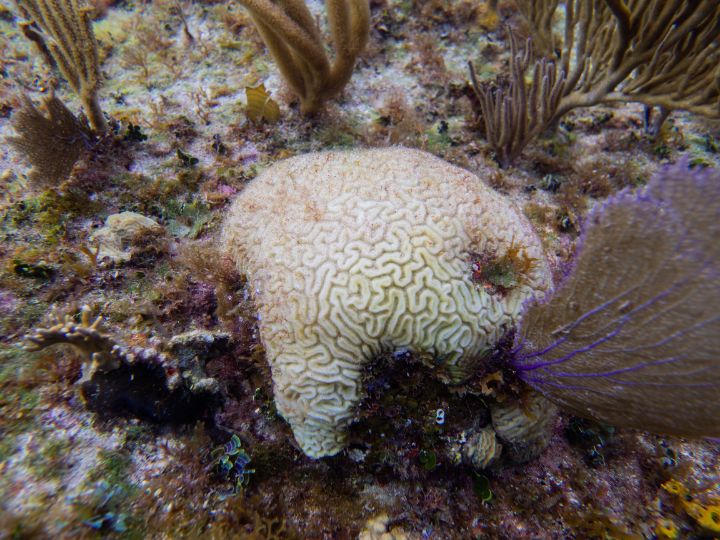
(351, 254)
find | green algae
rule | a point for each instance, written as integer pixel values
(427, 459)
(20, 399)
(50, 460)
(20, 375)
(187, 219)
(113, 467)
(481, 485)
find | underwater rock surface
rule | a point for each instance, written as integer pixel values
(190, 108)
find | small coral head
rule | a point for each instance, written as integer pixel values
(353, 254)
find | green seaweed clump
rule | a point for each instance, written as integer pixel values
(500, 274)
(428, 460)
(231, 462)
(39, 270)
(481, 485)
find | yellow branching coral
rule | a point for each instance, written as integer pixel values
(289, 30)
(62, 31)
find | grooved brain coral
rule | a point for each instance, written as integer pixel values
(352, 254)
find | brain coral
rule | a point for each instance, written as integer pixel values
(526, 429)
(352, 254)
(482, 449)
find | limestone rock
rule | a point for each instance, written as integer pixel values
(117, 234)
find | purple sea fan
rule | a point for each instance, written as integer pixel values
(632, 337)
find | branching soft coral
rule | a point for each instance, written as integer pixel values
(51, 142)
(512, 112)
(289, 30)
(62, 31)
(656, 52)
(661, 53)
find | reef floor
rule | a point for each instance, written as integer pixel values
(138, 456)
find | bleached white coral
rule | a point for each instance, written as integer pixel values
(350, 254)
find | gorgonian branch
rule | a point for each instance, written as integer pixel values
(513, 112)
(664, 54)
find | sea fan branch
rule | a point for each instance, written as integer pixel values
(645, 341)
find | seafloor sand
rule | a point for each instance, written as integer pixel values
(69, 473)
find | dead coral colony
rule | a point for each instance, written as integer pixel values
(662, 54)
(145, 382)
(99, 348)
(289, 30)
